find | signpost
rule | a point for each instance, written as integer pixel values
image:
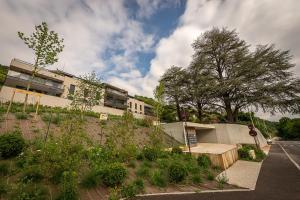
(253, 133)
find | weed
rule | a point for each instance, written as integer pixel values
(131, 164)
(143, 171)
(196, 179)
(158, 179)
(11, 145)
(222, 179)
(4, 169)
(177, 172)
(21, 115)
(210, 176)
(203, 161)
(90, 180)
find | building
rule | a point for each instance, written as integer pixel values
(58, 87)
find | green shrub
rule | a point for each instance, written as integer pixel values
(21, 115)
(30, 191)
(158, 179)
(210, 176)
(113, 174)
(196, 179)
(114, 194)
(163, 163)
(4, 169)
(203, 161)
(177, 150)
(244, 153)
(146, 163)
(139, 184)
(69, 190)
(91, 179)
(143, 171)
(11, 145)
(128, 191)
(260, 155)
(177, 172)
(56, 118)
(150, 154)
(32, 174)
(3, 188)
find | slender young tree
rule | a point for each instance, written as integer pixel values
(88, 94)
(46, 46)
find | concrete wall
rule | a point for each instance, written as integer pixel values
(207, 136)
(222, 133)
(175, 130)
(236, 134)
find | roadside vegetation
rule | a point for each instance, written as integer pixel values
(245, 155)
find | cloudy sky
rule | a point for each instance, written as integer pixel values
(130, 43)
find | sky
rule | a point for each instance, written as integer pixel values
(131, 43)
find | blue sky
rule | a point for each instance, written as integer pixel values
(131, 43)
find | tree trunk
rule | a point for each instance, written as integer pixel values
(229, 113)
(235, 114)
(178, 109)
(27, 89)
(199, 110)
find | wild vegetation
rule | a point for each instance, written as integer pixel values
(68, 163)
(289, 128)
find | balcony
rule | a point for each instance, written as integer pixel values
(20, 79)
(114, 104)
(117, 94)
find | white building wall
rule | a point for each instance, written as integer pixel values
(47, 100)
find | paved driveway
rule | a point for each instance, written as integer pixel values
(279, 179)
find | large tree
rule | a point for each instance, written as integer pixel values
(242, 78)
(46, 46)
(173, 80)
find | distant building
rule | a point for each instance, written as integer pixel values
(58, 87)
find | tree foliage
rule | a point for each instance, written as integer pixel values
(226, 75)
(46, 46)
(289, 128)
(88, 94)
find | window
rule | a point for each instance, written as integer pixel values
(140, 107)
(130, 104)
(72, 89)
(135, 106)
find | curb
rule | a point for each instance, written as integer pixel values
(203, 191)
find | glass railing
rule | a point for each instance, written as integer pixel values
(39, 80)
(116, 92)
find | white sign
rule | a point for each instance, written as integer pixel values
(103, 116)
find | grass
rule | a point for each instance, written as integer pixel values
(21, 115)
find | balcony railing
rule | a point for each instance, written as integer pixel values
(38, 80)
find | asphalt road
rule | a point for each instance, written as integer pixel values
(279, 179)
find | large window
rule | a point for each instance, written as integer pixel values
(72, 89)
(135, 106)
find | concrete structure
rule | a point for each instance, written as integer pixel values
(57, 87)
(212, 133)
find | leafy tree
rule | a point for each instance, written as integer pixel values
(172, 80)
(46, 46)
(289, 128)
(88, 94)
(242, 78)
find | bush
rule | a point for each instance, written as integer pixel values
(21, 115)
(30, 191)
(260, 155)
(143, 171)
(203, 161)
(57, 118)
(32, 174)
(139, 184)
(150, 154)
(4, 169)
(128, 191)
(244, 153)
(196, 179)
(177, 150)
(158, 179)
(3, 188)
(113, 174)
(177, 172)
(163, 163)
(90, 180)
(210, 176)
(69, 190)
(11, 145)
